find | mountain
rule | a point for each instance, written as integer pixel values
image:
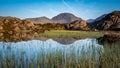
(110, 21)
(40, 20)
(65, 18)
(90, 20)
(77, 25)
(97, 19)
(61, 18)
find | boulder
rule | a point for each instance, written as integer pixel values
(1, 27)
(16, 29)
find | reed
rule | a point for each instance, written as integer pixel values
(109, 58)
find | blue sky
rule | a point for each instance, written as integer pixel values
(86, 9)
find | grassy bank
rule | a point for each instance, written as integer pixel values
(71, 34)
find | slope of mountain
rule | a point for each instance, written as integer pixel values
(110, 21)
(90, 20)
(65, 18)
(40, 20)
(97, 19)
(77, 25)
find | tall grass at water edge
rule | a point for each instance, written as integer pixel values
(110, 58)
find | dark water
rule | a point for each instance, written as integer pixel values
(41, 50)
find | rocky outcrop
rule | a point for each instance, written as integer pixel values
(65, 18)
(111, 21)
(14, 29)
(77, 25)
(53, 26)
(14, 25)
(1, 27)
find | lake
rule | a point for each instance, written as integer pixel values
(59, 53)
(51, 53)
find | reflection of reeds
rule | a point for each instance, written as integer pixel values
(59, 59)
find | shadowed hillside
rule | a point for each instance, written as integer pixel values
(110, 21)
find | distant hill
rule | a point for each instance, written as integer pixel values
(40, 20)
(65, 18)
(110, 21)
(97, 19)
(90, 20)
(62, 18)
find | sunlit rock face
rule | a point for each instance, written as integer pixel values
(15, 24)
(37, 49)
(77, 25)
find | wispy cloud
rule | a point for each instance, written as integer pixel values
(68, 6)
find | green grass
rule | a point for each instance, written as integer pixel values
(75, 34)
(111, 56)
(71, 34)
